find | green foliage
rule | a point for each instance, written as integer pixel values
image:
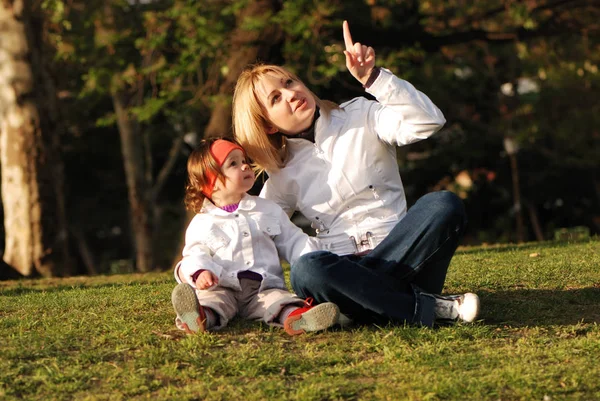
(309, 46)
(169, 58)
(113, 337)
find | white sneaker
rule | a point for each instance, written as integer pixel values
(463, 307)
(344, 320)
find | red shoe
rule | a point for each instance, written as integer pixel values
(189, 311)
(311, 318)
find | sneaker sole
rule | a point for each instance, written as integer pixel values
(319, 317)
(188, 308)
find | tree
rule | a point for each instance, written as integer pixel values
(525, 70)
(170, 71)
(36, 234)
(142, 75)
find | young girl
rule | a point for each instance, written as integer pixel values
(337, 166)
(230, 260)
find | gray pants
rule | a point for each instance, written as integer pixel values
(249, 303)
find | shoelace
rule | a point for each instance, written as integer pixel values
(309, 301)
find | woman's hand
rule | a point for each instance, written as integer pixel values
(206, 279)
(360, 59)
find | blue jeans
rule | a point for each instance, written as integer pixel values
(394, 281)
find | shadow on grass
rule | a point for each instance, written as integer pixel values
(531, 307)
(516, 308)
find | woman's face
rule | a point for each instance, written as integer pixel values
(289, 105)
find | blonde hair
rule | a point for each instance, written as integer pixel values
(267, 151)
(200, 164)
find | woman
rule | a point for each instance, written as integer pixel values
(337, 166)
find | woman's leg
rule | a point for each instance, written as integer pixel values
(365, 295)
(386, 285)
(420, 247)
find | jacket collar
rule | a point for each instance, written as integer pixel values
(309, 134)
(247, 203)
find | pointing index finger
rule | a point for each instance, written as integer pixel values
(348, 37)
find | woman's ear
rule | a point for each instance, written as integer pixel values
(271, 130)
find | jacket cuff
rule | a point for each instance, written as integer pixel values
(196, 275)
(374, 74)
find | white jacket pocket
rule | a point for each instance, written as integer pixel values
(216, 239)
(219, 244)
(270, 227)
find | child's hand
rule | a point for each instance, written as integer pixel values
(206, 279)
(360, 59)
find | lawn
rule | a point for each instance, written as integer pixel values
(113, 338)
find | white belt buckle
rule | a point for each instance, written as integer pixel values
(364, 246)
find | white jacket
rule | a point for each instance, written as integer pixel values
(247, 239)
(347, 183)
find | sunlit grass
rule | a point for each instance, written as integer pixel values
(113, 337)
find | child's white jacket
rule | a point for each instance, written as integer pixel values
(347, 183)
(254, 237)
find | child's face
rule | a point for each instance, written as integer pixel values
(289, 105)
(239, 177)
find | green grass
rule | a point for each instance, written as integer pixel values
(113, 338)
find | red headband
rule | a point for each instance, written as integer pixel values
(220, 149)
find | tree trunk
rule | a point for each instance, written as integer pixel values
(32, 170)
(136, 166)
(535, 222)
(132, 147)
(517, 206)
(246, 47)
